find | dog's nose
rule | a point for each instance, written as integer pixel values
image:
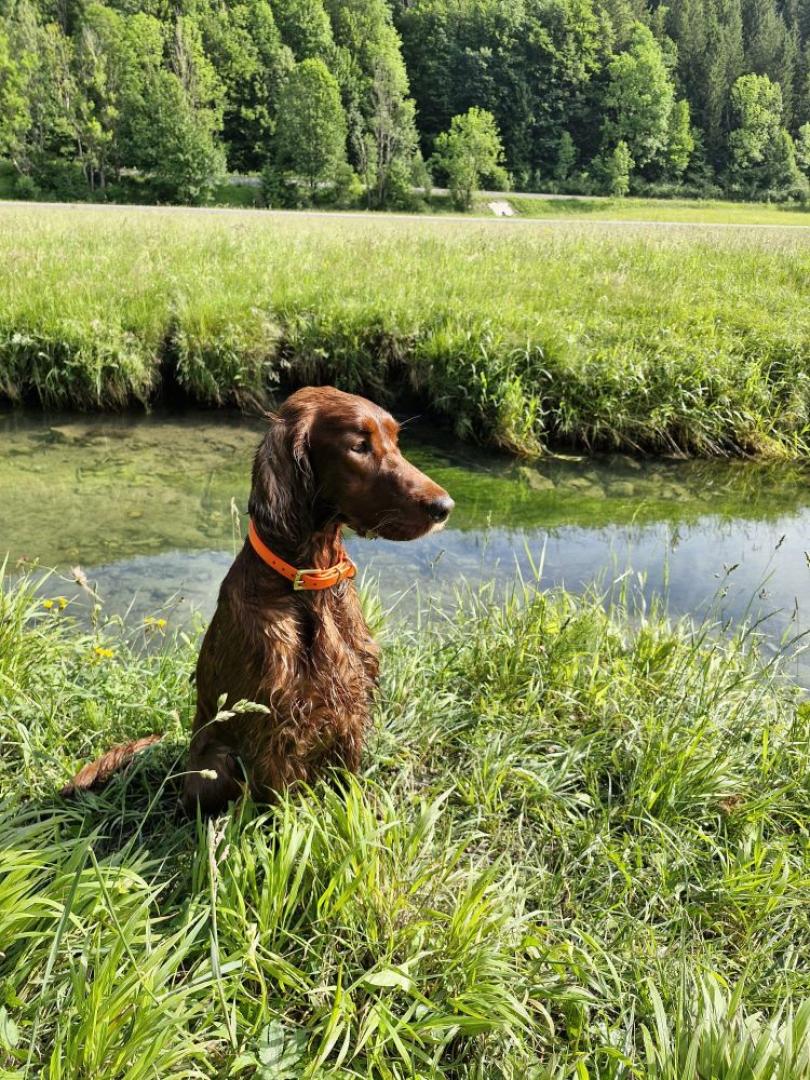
(439, 509)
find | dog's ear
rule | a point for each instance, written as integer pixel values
(282, 488)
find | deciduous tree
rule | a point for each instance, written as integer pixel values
(680, 139)
(566, 157)
(15, 117)
(469, 152)
(617, 166)
(311, 130)
(639, 98)
(803, 149)
(305, 29)
(389, 142)
(761, 152)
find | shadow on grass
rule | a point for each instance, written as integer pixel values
(795, 208)
(139, 810)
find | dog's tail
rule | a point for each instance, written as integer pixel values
(98, 772)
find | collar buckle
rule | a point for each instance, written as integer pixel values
(302, 580)
(323, 579)
(299, 584)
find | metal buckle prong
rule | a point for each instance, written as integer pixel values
(298, 582)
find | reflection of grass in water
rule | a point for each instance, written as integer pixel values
(571, 829)
(616, 491)
(99, 489)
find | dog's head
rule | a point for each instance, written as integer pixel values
(334, 457)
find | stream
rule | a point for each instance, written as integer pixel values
(152, 507)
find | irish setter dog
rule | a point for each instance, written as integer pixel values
(299, 649)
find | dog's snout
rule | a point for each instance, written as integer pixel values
(439, 509)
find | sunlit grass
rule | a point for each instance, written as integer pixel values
(521, 333)
(676, 211)
(578, 849)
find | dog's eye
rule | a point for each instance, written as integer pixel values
(362, 447)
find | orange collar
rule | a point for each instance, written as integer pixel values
(306, 580)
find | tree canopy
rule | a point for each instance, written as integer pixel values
(157, 98)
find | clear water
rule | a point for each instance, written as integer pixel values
(151, 507)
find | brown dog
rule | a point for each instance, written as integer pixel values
(288, 632)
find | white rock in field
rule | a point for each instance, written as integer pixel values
(501, 208)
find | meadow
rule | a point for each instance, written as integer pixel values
(578, 849)
(675, 211)
(521, 334)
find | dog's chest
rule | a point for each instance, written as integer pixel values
(320, 662)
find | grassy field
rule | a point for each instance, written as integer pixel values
(522, 334)
(578, 850)
(677, 211)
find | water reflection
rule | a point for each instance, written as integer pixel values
(150, 508)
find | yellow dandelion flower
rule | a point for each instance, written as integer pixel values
(101, 653)
(60, 602)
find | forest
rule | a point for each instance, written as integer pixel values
(366, 102)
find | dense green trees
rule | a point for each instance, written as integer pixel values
(762, 155)
(348, 98)
(567, 80)
(14, 117)
(123, 93)
(639, 98)
(245, 48)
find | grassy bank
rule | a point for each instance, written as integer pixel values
(520, 333)
(577, 850)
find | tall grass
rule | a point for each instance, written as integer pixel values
(520, 333)
(578, 849)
